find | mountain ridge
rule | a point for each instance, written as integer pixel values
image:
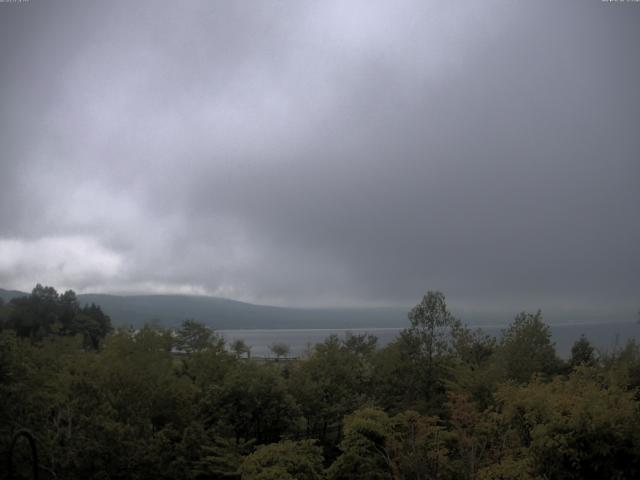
(227, 314)
(223, 313)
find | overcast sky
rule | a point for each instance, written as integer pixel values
(324, 153)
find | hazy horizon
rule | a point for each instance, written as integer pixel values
(385, 316)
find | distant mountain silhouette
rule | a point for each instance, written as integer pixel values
(7, 295)
(220, 313)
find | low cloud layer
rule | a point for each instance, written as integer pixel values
(323, 153)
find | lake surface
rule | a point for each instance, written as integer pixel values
(605, 337)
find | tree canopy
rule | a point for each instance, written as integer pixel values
(45, 312)
(442, 401)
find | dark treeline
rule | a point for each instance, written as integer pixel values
(45, 313)
(440, 402)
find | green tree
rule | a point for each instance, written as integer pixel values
(399, 375)
(92, 323)
(280, 349)
(68, 309)
(35, 315)
(431, 324)
(409, 445)
(417, 447)
(286, 460)
(45, 313)
(476, 371)
(414, 370)
(473, 347)
(136, 374)
(363, 345)
(364, 455)
(4, 315)
(115, 406)
(335, 380)
(622, 367)
(208, 367)
(194, 336)
(222, 458)
(471, 430)
(526, 348)
(240, 347)
(575, 428)
(251, 403)
(582, 353)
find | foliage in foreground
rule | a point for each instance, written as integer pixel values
(441, 402)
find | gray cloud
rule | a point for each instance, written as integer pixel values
(319, 153)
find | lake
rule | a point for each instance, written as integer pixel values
(605, 337)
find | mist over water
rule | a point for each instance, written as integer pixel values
(605, 338)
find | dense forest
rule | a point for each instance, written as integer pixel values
(440, 402)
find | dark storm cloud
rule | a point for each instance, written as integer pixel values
(323, 153)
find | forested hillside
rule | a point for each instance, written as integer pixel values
(221, 313)
(440, 402)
